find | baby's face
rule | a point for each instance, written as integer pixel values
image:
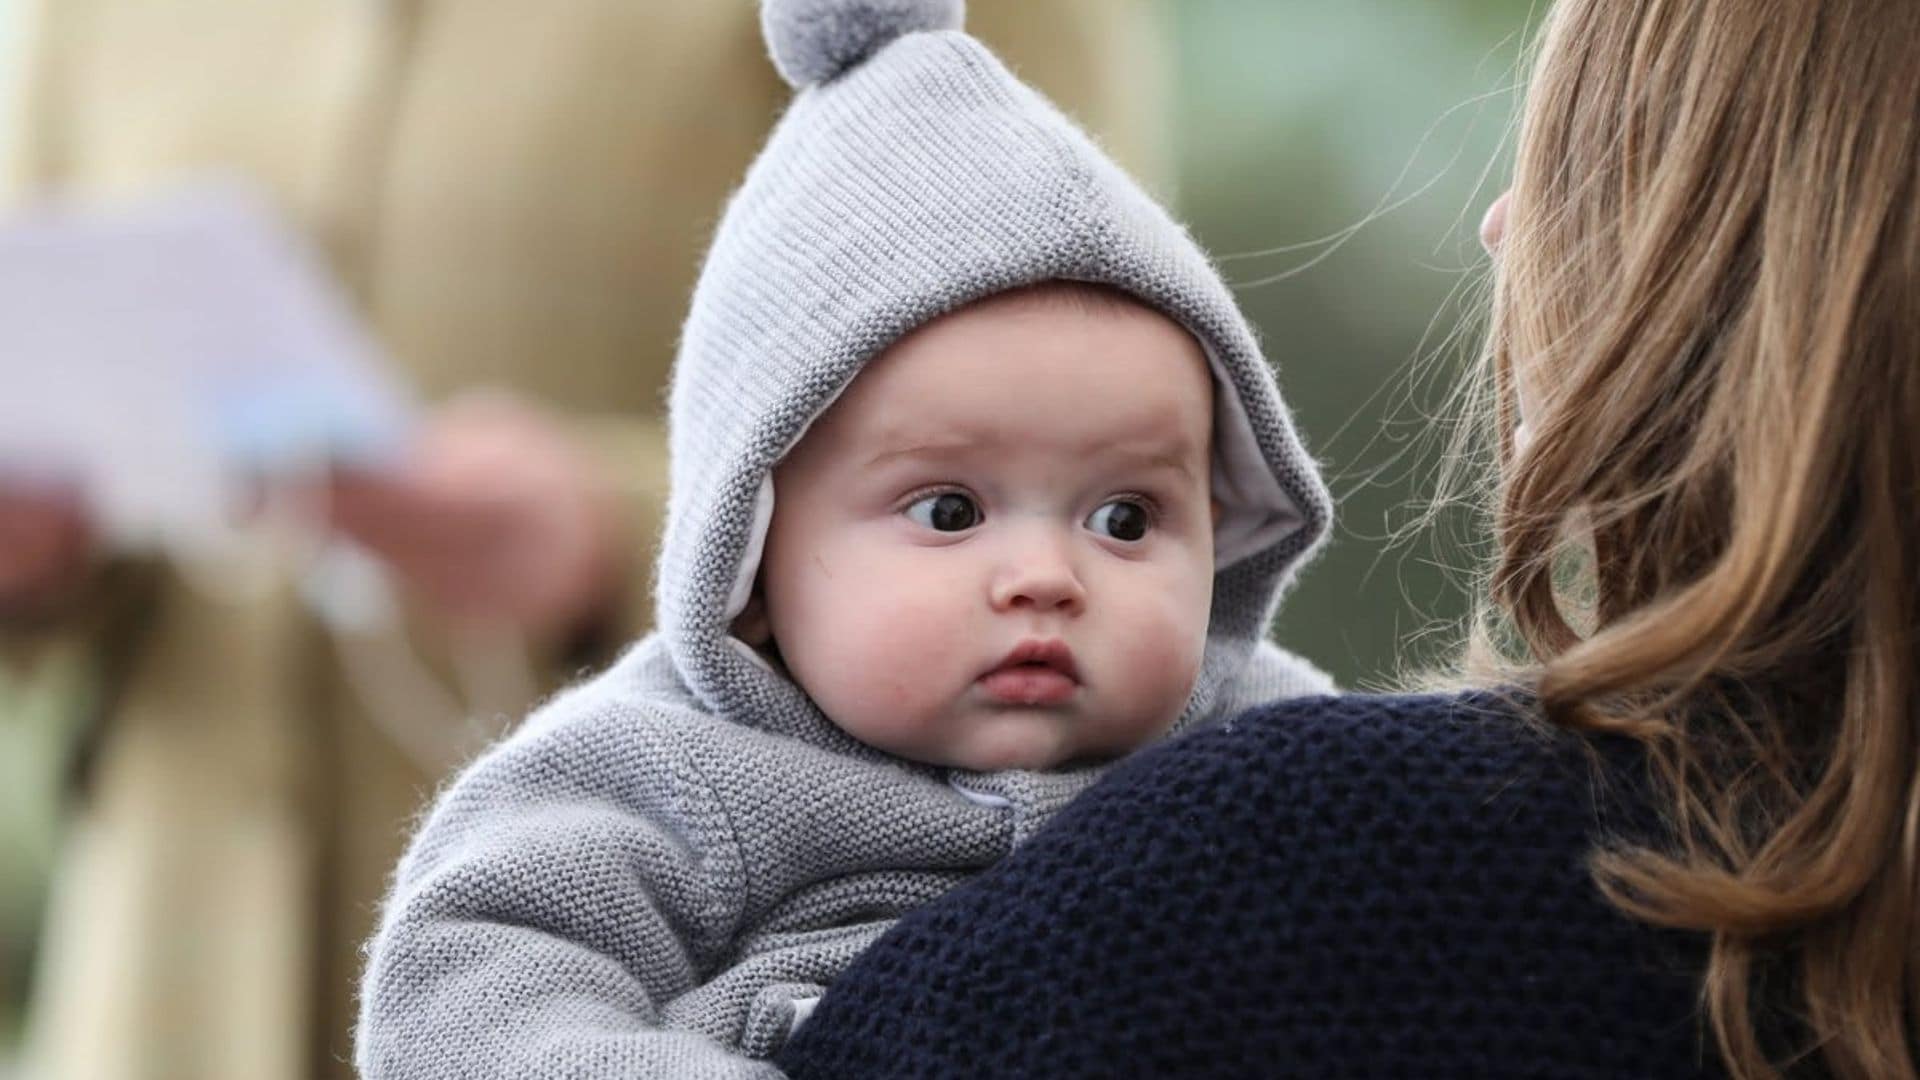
(996, 549)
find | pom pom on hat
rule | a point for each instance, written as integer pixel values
(813, 40)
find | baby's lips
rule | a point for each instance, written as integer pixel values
(1051, 653)
(1029, 684)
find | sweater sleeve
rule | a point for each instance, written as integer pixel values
(562, 893)
(1328, 887)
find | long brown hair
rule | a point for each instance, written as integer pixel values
(1710, 291)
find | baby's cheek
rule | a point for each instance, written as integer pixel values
(1169, 615)
(899, 652)
(1162, 665)
(1163, 646)
(906, 629)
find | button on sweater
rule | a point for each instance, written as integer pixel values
(1368, 886)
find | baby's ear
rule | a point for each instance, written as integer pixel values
(752, 625)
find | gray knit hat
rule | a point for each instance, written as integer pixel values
(911, 175)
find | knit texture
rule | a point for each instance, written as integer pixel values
(814, 40)
(655, 873)
(1353, 887)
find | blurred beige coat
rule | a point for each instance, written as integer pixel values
(518, 194)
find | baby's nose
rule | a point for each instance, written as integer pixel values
(1039, 576)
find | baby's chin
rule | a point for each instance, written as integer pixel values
(1021, 741)
(997, 760)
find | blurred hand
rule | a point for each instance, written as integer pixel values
(46, 543)
(494, 515)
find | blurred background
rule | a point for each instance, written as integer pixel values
(1335, 155)
(1359, 142)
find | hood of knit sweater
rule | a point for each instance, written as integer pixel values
(912, 175)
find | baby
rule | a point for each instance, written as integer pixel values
(979, 482)
(995, 550)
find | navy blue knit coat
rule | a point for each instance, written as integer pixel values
(1330, 887)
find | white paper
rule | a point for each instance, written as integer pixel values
(162, 356)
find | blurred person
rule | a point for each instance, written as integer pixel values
(515, 196)
(1674, 834)
(980, 483)
(43, 548)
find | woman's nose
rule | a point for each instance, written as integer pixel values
(1038, 574)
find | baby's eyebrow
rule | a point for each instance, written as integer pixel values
(1172, 457)
(1173, 460)
(918, 450)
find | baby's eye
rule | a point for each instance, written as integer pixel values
(1121, 519)
(948, 511)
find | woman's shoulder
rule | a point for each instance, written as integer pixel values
(1441, 759)
(1383, 885)
(1439, 728)
(1394, 717)
(1451, 818)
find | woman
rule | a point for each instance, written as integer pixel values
(1676, 835)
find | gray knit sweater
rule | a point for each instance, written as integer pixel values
(655, 873)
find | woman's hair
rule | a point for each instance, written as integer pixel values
(1709, 301)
